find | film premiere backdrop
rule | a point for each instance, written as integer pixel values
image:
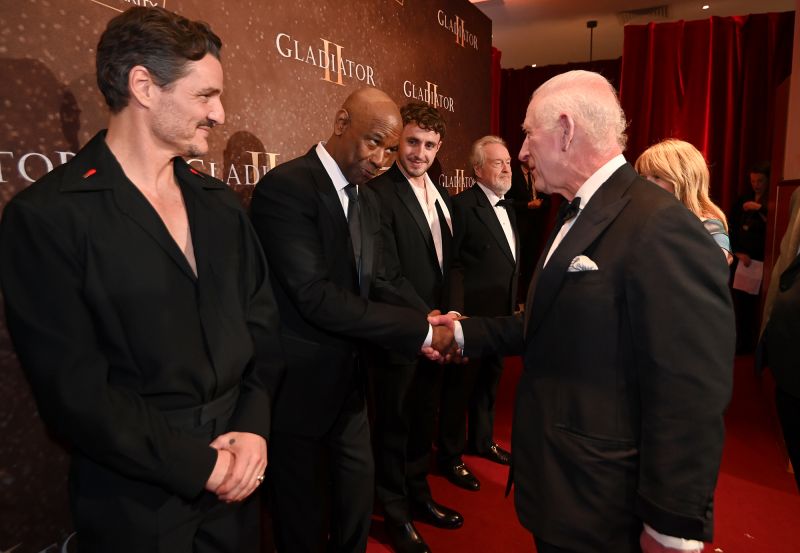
(288, 66)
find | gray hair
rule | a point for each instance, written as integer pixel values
(477, 157)
(590, 100)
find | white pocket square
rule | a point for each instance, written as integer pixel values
(581, 263)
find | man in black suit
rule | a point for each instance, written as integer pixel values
(138, 301)
(484, 283)
(628, 342)
(780, 330)
(320, 232)
(416, 224)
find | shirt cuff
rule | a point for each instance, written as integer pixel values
(429, 338)
(673, 542)
(458, 334)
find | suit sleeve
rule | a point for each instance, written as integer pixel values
(55, 338)
(262, 378)
(285, 216)
(485, 336)
(684, 348)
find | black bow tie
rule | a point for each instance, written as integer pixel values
(569, 210)
(505, 202)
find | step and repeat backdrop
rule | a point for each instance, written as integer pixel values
(288, 67)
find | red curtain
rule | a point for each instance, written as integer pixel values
(712, 83)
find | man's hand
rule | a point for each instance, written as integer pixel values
(444, 341)
(751, 206)
(249, 452)
(444, 349)
(535, 203)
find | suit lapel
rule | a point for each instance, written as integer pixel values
(195, 186)
(602, 209)
(409, 199)
(134, 205)
(486, 214)
(330, 199)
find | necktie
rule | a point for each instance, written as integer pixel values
(568, 210)
(354, 222)
(505, 202)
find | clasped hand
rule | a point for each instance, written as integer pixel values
(443, 348)
(241, 462)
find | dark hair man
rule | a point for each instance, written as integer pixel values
(417, 236)
(138, 301)
(319, 228)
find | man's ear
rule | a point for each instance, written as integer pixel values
(141, 86)
(341, 122)
(566, 126)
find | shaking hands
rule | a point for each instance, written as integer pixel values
(444, 348)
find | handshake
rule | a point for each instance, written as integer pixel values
(444, 348)
(240, 466)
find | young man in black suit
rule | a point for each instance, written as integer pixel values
(320, 231)
(138, 301)
(416, 231)
(627, 340)
(483, 283)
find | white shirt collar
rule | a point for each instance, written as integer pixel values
(588, 188)
(490, 195)
(331, 167)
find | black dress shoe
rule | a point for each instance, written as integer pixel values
(404, 538)
(437, 515)
(461, 476)
(497, 454)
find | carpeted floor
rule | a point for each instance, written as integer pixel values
(757, 505)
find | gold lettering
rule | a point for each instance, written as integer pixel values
(338, 55)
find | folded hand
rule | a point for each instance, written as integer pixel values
(249, 461)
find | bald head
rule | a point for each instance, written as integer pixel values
(366, 131)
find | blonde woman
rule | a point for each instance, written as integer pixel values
(679, 168)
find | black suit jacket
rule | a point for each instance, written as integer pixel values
(409, 254)
(113, 328)
(485, 271)
(627, 372)
(324, 312)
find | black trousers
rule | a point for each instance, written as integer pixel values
(788, 407)
(472, 389)
(405, 401)
(321, 489)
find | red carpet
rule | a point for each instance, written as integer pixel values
(757, 505)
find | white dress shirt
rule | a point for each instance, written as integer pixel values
(502, 216)
(336, 175)
(585, 193)
(427, 198)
